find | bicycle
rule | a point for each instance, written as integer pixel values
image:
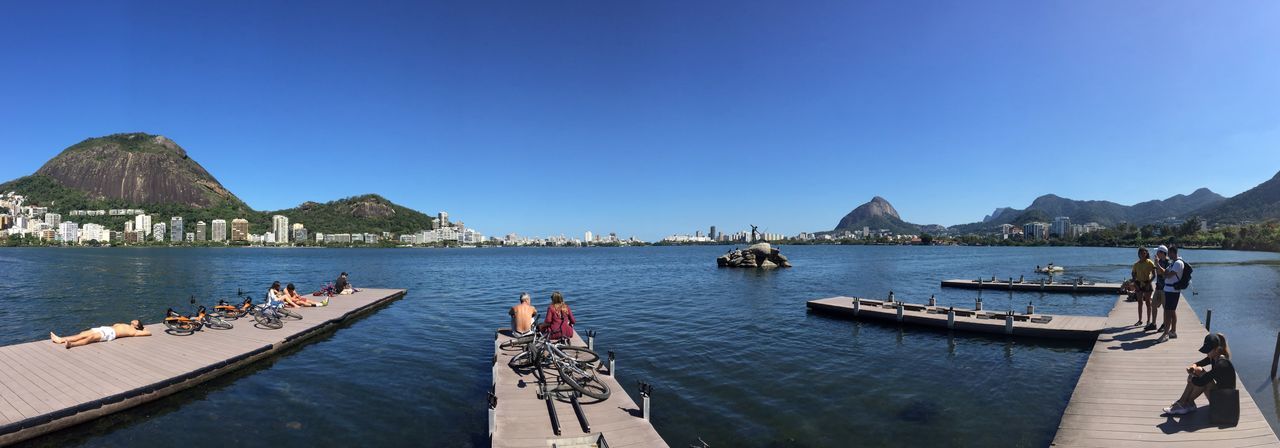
(185, 325)
(573, 364)
(232, 311)
(272, 315)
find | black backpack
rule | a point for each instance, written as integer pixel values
(1184, 280)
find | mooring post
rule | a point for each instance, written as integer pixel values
(611, 363)
(977, 304)
(646, 390)
(493, 414)
(1008, 324)
(856, 302)
(1275, 358)
(932, 300)
(899, 312)
(1031, 309)
(891, 300)
(1208, 320)
(951, 319)
(591, 339)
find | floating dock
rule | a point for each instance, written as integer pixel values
(1040, 286)
(1026, 325)
(45, 387)
(1128, 379)
(520, 418)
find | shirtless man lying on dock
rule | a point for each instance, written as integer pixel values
(101, 334)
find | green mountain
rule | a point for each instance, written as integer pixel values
(153, 173)
(876, 214)
(1259, 203)
(1107, 213)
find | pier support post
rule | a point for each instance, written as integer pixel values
(591, 340)
(979, 284)
(1208, 320)
(899, 312)
(611, 364)
(977, 304)
(951, 319)
(493, 414)
(646, 390)
(1008, 324)
(856, 303)
(1275, 358)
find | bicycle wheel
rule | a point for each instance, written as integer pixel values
(180, 327)
(583, 381)
(266, 319)
(517, 343)
(522, 361)
(581, 355)
(217, 323)
(286, 313)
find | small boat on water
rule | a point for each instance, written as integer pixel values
(1050, 269)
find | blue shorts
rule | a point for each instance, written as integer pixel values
(1171, 300)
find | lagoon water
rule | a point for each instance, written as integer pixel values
(735, 358)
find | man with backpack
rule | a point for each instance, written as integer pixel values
(1177, 277)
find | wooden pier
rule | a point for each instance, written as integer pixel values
(1034, 286)
(519, 418)
(45, 387)
(1128, 379)
(1024, 325)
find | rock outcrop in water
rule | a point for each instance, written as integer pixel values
(759, 255)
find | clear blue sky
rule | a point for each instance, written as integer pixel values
(649, 118)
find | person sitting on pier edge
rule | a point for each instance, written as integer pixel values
(1221, 375)
(291, 298)
(102, 334)
(559, 321)
(342, 286)
(1157, 295)
(522, 316)
(1142, 273)
(1171, 293)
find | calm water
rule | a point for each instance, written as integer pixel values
(734, 356)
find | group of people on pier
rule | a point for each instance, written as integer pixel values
(275, 296)
(558, 323)
(1158, 284)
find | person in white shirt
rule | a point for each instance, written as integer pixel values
(1171, 295)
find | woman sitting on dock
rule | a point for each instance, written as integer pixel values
(291, 298)
(1221, 375)
(559, 322)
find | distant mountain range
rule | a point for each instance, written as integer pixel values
(151, 172)
(1257, 204)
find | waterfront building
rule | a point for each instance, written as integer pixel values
(131, 237)
(52, 219)
(6, 222)
(280, 227)
(443, 218)
(158, 231)
(1062, 227)
(299, 233)
(68, 232)
(48, 234)
(200, 234)
(219, 230)
(190, 237)
(176, 230)
(587, 237)
(319, 236)
(712, 234)
(142, 223)
(239, 229)
(94, 232)
(1036, 230)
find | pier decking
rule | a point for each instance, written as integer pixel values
(521, 419)
(45, 387)
(1129, 378)
(1035, 325)
(1028, 285)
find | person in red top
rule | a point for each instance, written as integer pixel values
(559, 321)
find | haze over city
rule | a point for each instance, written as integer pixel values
(649, 119)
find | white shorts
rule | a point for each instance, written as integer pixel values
(107, 333)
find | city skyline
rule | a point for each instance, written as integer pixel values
(609, 116)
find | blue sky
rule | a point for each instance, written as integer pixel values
(649, 118)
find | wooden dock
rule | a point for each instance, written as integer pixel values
(1023, 325)
(519, 418)
(45, 387)
(1034, 286)
(1129, 378)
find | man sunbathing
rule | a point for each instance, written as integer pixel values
(101, 334)
(292, 298)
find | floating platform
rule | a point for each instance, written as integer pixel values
(45, 387)
(1129, 377)
(520, 419)
(1025, 325)
(1041, 286)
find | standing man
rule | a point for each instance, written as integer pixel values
(1157, 298)
(1171, 294)
(1143, 272)
(522, 316)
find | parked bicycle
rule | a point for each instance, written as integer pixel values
(185, 325)
(575, 365)
(271, 315)
(233, 311)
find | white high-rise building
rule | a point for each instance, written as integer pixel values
(219, 230)
(94, 232)
(142, 223)
(280, 227)
(586, 237)
(158, 231)
(52, 219)
(69, 232)
(176, 232)
(200, 234)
